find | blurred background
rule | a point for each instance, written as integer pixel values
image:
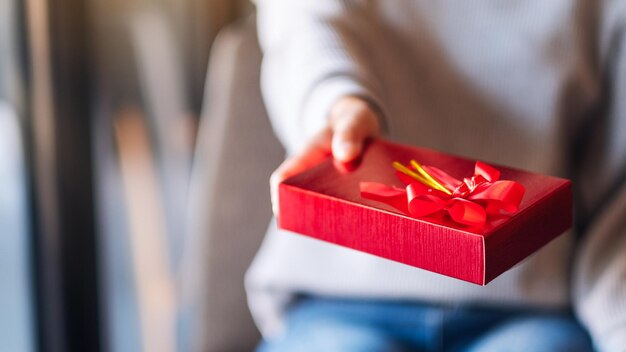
(134, 158)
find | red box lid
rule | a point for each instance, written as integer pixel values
(324, 202)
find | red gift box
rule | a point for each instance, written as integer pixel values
(325, 202)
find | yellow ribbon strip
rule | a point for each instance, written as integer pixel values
(427, 176)
(405, 170)
(421, 176)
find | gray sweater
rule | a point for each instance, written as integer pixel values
(534, 84)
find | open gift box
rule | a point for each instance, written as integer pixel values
(325, 202)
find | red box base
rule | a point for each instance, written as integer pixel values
(325, 203)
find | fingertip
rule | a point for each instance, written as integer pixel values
(274, 198)
(346, 151)
(275, 179)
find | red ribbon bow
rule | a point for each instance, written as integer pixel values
(469, 203)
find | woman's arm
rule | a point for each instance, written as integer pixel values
(313, 54)
(319, 88)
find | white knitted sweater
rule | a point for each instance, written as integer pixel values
(534, 84)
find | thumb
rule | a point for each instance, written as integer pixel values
(350, 132)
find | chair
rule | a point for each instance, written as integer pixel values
(229, 206)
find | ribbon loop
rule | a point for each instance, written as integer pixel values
(490, 173)
(468, 213)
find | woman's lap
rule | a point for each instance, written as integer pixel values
(315, 324)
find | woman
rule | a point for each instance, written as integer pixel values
(531, 84)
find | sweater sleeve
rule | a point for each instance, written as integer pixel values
(600, 267)
(600, 278)
(313, 54)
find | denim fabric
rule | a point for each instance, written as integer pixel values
(329, 325)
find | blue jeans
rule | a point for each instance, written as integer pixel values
(329, 325)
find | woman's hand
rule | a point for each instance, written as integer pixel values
(350, 122)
